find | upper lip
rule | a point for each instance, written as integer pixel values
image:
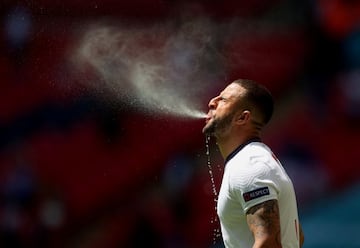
(208, 116)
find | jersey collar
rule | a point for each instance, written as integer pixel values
(240, 147)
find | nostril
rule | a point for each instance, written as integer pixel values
(212, 103)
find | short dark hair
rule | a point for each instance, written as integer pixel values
(258, 97)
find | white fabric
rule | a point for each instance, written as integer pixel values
(255, 167)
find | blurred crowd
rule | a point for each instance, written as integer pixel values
(80, 171)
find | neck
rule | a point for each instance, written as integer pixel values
(228, 144)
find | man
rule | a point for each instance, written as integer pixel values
(257, 204)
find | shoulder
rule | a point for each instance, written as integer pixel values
(252, 168)
(258, 152)
(255, 158)
(253, 150)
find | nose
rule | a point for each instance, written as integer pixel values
(212, 103)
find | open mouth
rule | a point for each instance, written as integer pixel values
(208, 117)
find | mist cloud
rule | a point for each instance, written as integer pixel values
(164, 68)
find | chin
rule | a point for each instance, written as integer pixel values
(210, 127)
(204, 130)
(208, 130)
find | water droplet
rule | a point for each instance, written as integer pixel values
(210, 169)
(216, 231)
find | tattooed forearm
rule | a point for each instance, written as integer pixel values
(264, 222)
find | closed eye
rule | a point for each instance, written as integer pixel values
(223, 98)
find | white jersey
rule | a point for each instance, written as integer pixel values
(253, 175)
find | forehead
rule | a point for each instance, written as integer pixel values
(233, 90)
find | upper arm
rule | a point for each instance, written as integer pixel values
(264, 223)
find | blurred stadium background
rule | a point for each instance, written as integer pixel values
(78, 171)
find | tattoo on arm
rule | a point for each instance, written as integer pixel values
(301, 236)
(264, 222)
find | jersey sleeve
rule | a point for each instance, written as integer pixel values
(254, 185)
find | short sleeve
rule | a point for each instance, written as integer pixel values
(254, 185)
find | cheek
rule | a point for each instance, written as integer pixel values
(220, 112)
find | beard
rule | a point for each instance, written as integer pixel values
(218, 126)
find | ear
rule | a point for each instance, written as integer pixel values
(243, 117)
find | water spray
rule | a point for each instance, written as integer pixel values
(163, 69)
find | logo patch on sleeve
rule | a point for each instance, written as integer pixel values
(251, 195)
